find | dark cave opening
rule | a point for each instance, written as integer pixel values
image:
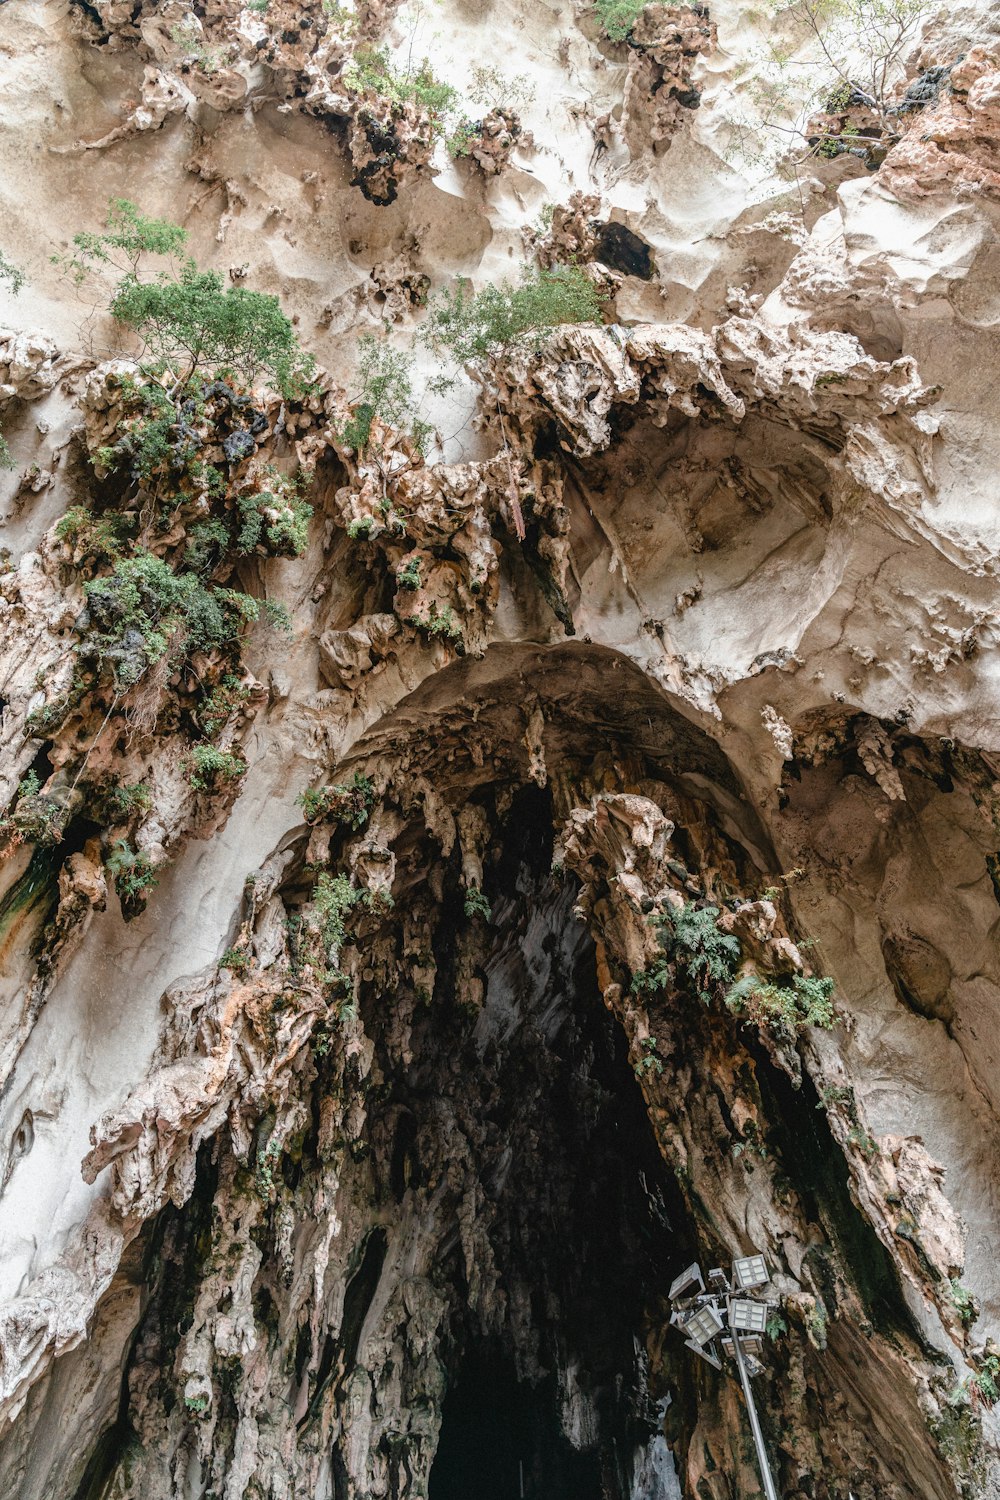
(499, 1440)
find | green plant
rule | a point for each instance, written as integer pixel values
(831, 86)
(776, 1326)
(126, 799)
(7, 459)
(228, 697)
(278, 515)
(268, 1158)
(689, 935)
(211, 767)
(142, 612)
(649, 1060)
(350, 804)
(186, 317)
(386, 394)
(196, 1405)
(236, 961)
(13, 275)
(617, 17)
(100, 538)
(35, 817)
(783, 1005)
(496, 90)
(408, 574)
(333, 898)
(963, 1302)
(476, 904)
(372, 69)
(438, 621)
(473, 326)
(196, 321)
(259, 7)
(132, 871)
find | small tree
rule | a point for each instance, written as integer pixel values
(473, 326)
(832, 85)
(385, 375)
(195, 321)
(188, 318)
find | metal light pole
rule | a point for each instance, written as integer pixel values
(727, 1320)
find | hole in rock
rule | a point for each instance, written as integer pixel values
(500, 1441)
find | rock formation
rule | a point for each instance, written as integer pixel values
(499, 756)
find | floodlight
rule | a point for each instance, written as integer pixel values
(706, 1354)
(704, 1325)
(747, 1316)
(687, 1281)
(750, 1271)
(750, 1343)
(718, 1278)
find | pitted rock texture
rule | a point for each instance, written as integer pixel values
(462, 861)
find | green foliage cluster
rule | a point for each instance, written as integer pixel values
(96, 539)
(142, 612)
(276, 516)
(186, 317)
(689, 935)
(212, 768)
(783, 1006)
(133, 873)
(217, 707)
(350, 804)
(124, 800)
(473, 326)
(333, 898)
(13, 275)
(476, 904)
(437, 622)
(385, 374)
(371, 68)
(617, 17)
(236, 961)
(649, 1060)
(963, 1302)
(408, 574)
(35, 817)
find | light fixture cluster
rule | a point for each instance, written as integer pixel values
(708, 1318)
(727, 1321)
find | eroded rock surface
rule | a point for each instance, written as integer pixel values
(468, 854)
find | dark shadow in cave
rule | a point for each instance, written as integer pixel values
(500, 1442)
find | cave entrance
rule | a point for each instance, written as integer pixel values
(500, 1440)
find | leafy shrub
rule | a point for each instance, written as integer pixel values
(689, 935)
(476, 904)
(186, 317)
(333, 898)
(236, 961)
(371, 68)
(211, 767)
(650, 1060)
(408, 576)
(472, 326)
(217, 707)
(99, 538)
(617, 17)
(196, 320)
(385, 375)
(126, 799)
(133, 873)
(285, 529)
(35, 817)
(350, 804)
(963, 1302)
(783, 1007)
(143, 611)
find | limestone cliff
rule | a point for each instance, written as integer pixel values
(492, 812)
